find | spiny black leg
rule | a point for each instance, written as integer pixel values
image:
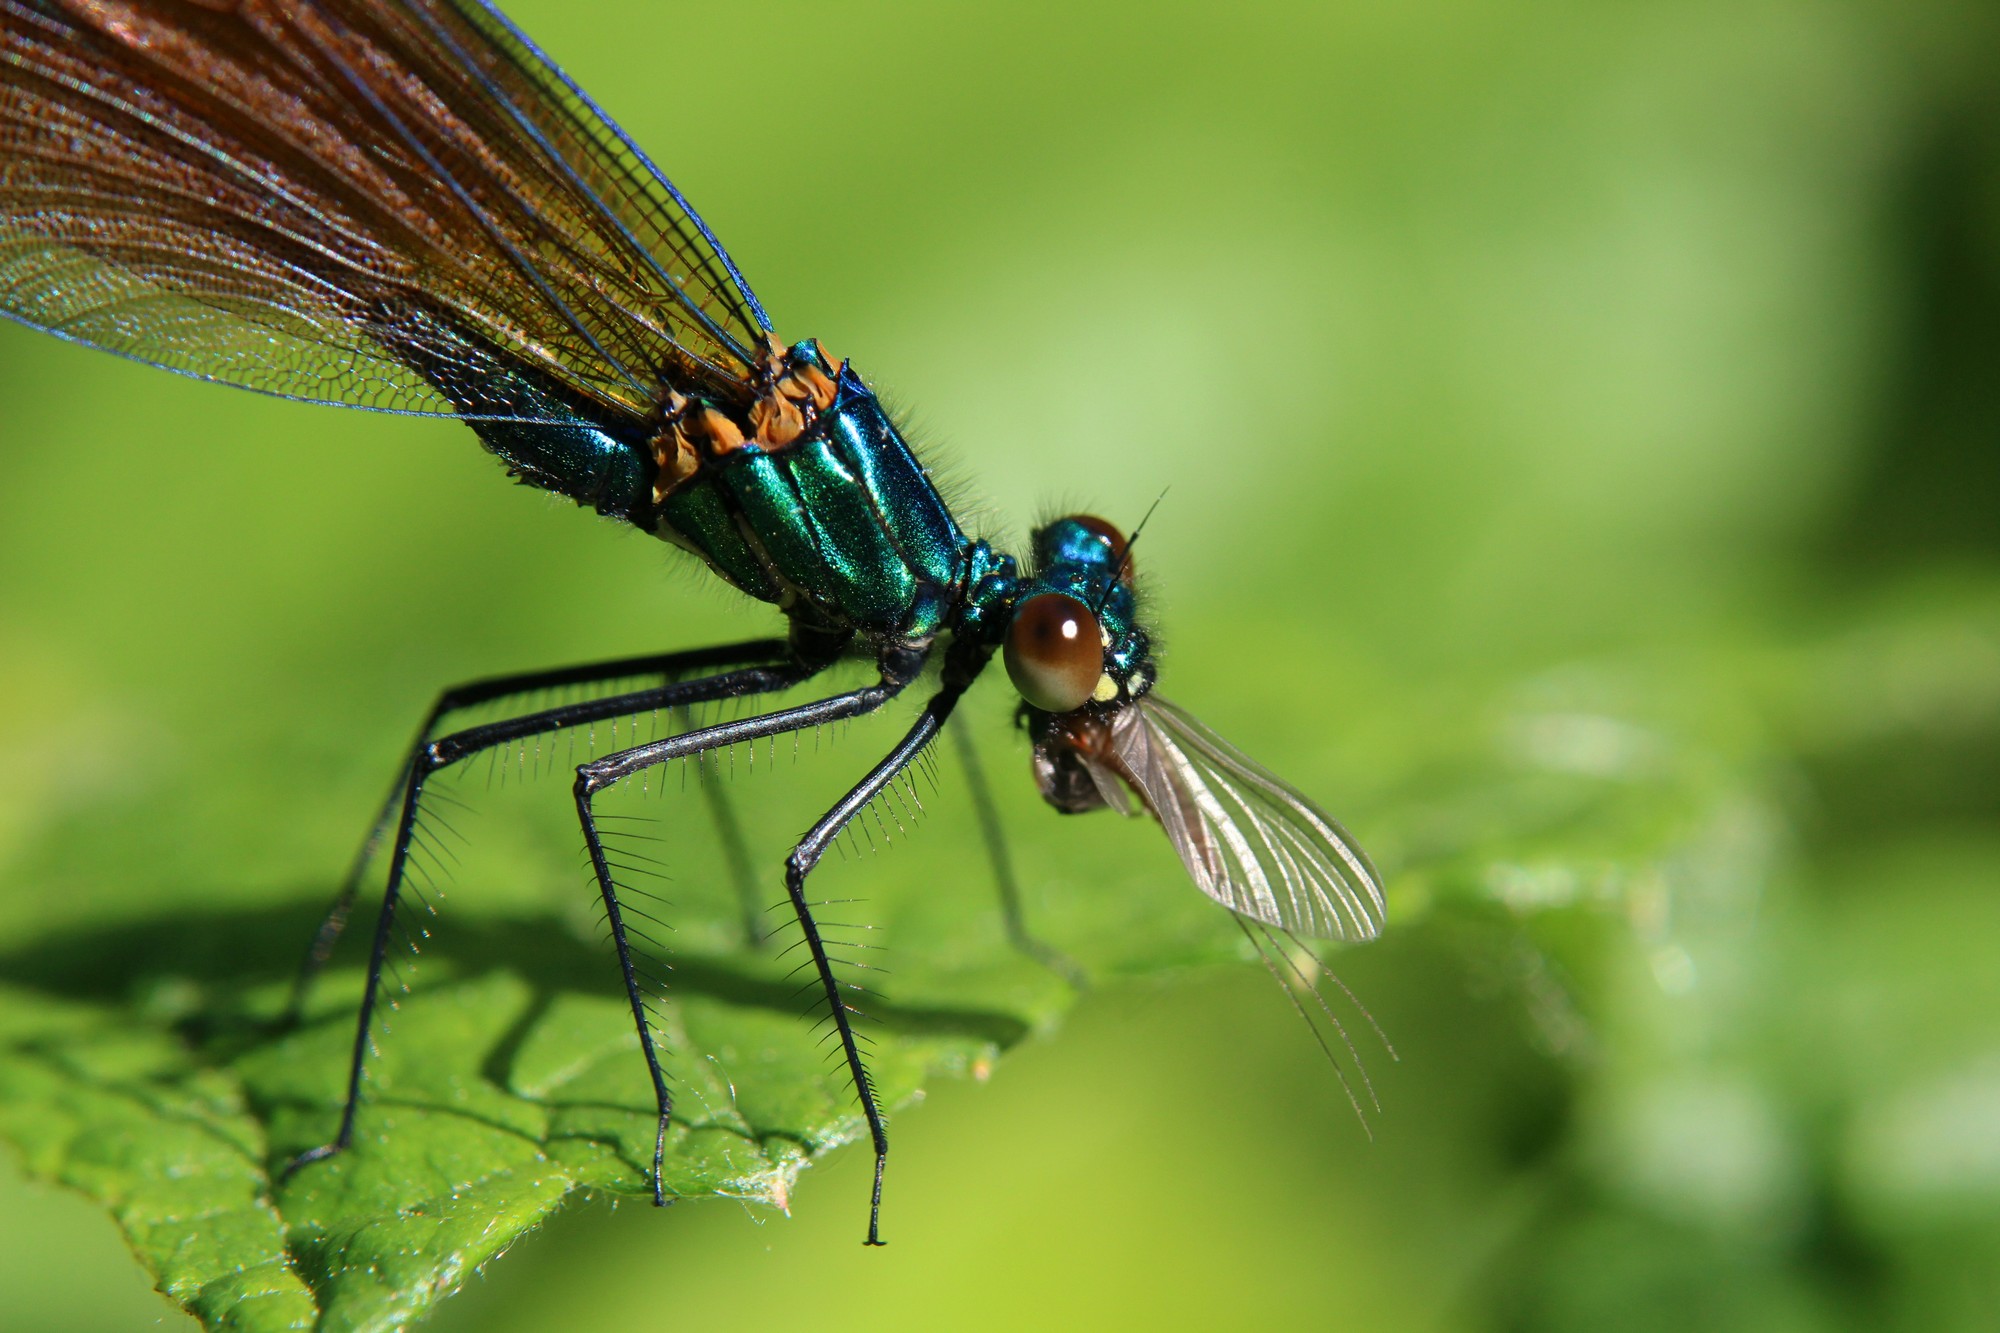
(594, 777)
(1018, 935)
(742, 875)
(378, 954)
(635, 993)
(492, 690)
(800, 864)
(335, 921)
(448, 750)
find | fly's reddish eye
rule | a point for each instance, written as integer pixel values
(1054, 652)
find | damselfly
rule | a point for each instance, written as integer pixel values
(403, 205)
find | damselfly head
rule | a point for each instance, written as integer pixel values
(1076, 653)
(1073, 640)
(1102, 737)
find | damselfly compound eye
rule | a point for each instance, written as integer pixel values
(1055, 652)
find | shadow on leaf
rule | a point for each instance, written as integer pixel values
(204, 971)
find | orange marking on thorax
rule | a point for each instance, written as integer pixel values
(692, 433)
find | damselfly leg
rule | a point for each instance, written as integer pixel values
(800, 864)
(760, 667)
(429, 758)
(502, 689)
(995, 838)
(592, 778)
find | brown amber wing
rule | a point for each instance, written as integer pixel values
(382, 205)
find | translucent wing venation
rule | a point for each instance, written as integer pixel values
(397, 206)
(643, 189)
(1248, 840)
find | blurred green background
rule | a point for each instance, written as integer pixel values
(1582, 436)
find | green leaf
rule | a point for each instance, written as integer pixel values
(510, 1081)
(124, 1113)
(140, 1066)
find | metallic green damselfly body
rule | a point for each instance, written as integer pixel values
(403, 205)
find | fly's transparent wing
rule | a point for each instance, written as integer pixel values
(1249, 841)
(378, 203)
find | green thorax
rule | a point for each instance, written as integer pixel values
(813, 501)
